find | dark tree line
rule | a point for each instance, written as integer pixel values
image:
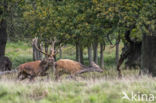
(84, 24)
(5, 63)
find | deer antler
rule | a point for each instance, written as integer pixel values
(57, 50)
(53, 50)
(35, 40)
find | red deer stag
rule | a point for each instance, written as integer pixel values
(68, 66)
(32, 69)
(35, 68)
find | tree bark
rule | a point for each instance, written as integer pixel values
(36, 54)
(101, 55)
(76, 45)
(95, 48)
(81, 54)
(60, 52)
(90, 54)
(5, 64)
(131, 52)
(148, 60)
(77, 52)
(117, 52)
(3, 36)
(46, 49)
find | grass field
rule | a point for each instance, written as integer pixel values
(94, 88)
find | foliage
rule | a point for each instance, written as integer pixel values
(74, 20)
(147, 20)
(82, 22)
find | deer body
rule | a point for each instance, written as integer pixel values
(32, 69)
(67, 65)
(71, 67)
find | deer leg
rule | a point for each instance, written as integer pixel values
(57, 75)
(68, 77)
(45, 74)
(73, 76)
(31, 77)
(21, 76)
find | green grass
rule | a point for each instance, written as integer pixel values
(69, 91)
(18, 52)
(92, 88)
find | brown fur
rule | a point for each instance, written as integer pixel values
(71, 67)
(68, 65)
(32, 69)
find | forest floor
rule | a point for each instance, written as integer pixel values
(93, 88)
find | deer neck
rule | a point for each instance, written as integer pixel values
(44, 68)
(85, 67)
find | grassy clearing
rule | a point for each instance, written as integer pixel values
(92, 88)
(18, 52)
(69, 91)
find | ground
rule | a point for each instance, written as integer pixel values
(92, 88)
(103, 90)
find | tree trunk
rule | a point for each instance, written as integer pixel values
(131, 52)
(3, 29)
(95, 48)
(148, 60)
(117, 52)
(3, 36)
(60, 52)
(5, 64)
(77, 52)
(46, 49)
(36, 54)
(90, 54)
(101, 55)
(81, 54)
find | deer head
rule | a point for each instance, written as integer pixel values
(95, 67)
(51, 55)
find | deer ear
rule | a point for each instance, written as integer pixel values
(94, 65)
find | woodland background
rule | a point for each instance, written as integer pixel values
(104, 31)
